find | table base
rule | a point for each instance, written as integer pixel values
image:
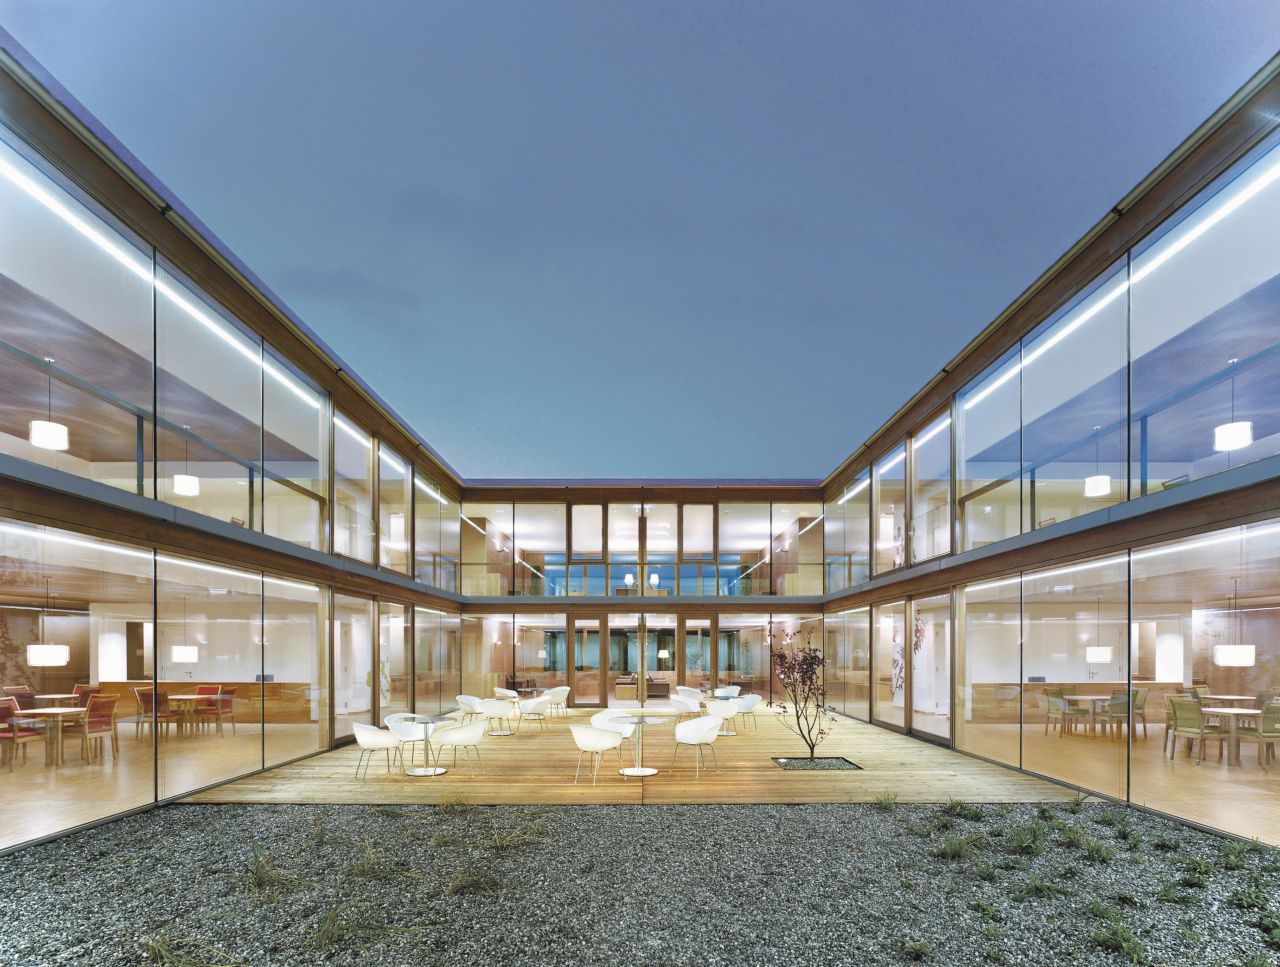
(499, 733)
(425, 771)
(638, 771)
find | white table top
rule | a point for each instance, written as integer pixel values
(1230, 711)
(56, 710)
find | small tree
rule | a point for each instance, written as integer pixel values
(799, 671)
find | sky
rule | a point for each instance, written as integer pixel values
(654, 239)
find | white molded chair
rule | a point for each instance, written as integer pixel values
(689, 695)
(559, 699)
(747, 709)
(684, 705)
(596, 741)
(497, 710)
(724, 710)
(506, 693)
(604, 720)
(536, 709)
(699, 733)
(470, 706)
(410, 733)
(728, 691)
(370, 740)
(465, 737)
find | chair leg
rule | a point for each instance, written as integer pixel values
(578, 769)
(595, 766)
(714, 758)
(478, 762)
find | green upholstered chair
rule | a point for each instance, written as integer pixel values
(1190, 724)
(1062, 712)
(1140, 709)
(1266, 733)
(1116, 713)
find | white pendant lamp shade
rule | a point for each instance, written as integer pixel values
(186, 485)
(1098, 485)
(653, 580)
(1097, 654)
(628, 579)
(1234, 656)
(1232, 436)
(184, 654)
(48, 656)
(48, 435)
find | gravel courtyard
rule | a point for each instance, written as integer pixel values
(1073, 883)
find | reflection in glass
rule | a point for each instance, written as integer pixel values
(540, 535)
(352, 663)
(890, 510)
(744, 549)
(988, 691)
(295, 690)
(352, 490)
(394, 500)
(989, 454)
(796, 548)
(931, 490)
(847, 647)
(931, 666)
(888, 664)
(393, 660)
(487, 545)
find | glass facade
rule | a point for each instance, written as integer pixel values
(395, 514)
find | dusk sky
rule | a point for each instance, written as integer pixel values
(649, 239)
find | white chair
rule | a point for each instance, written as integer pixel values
(536, 709)
(465, 737)
(699, 733)
(470, 706)
(724, 710)
(497, 710)
(728, 691)
(596, 741)
(371, 739)
(559, 699)
(689, 695)
(683, 705)
(410, 733)
(604, 720)
(747, 709)
(506, 693)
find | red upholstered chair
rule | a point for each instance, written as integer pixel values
(82, 693)
(22, 694)
(218, 708)
(99, 722)
(147, 713)
(15, 733)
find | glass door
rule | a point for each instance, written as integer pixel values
(584, 661)
(697, 652)
(623, 672)
(660, 654)
(931, 666)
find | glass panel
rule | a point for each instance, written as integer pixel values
(295, 690)
(889, 665)
(744, 549)
(435, 661)
(1073, 406)
(857, 523)
(1205, 332)
(432, 554)
(989, 455)
(848, 662)
(294, 452)
(1206, 629)
(541, 652)
(743, 652)
(988, 702)
(486, 655)
(931, 491)
(931, 666)
(624, 549)
(352, 491)
(697, 652)
(586, 662)
(208, 405)
(93, 599)
(540, 550)
(352, 663)
(698, 535)
(836, 554)
(393, 660)
(660, 522)
(1075, 663)
(208, 672)
(394, 501)
(486, 549)
(76, 328)
(622, 685)
(588, 532)
(796, 549)
(660, 656)
(890, 510)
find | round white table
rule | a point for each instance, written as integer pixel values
(640, 719)
(426, 770)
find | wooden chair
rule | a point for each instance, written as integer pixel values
(99, 723)
(1189, 723)
(15, 732)
(1266, 734)
(21, 694)
(145, 696)
(1140, 709)
(83, 691)
(219, 707)
(1062, 711)
(1116, 713)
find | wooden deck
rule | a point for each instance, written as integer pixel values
(537, 767)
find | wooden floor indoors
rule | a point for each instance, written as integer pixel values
(537, 767)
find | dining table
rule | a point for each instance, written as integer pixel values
(57, 715)
(641, 717)
(1233, 715)
(1094, 701)
(426, 770)
(1232, 699)
(57, 698)
(186, 703)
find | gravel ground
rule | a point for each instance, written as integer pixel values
(624, 885)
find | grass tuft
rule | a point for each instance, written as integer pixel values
(266, 881)
(1119, 939)
(453, 804)
(475, 883)
(914, 950)
(958, 847)
(1169, 893)
(1027, 840)
(496, 839)
(1034, 888)
(985, 909)
(186, 952)
(886, 802)
(959, 809)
